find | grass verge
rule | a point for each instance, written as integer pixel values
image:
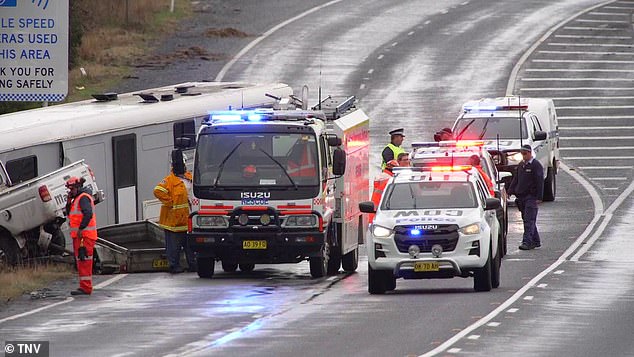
(17, 281)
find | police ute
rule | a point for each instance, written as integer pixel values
(454, 153)
(506, 124)
(436, 222)
(269, 187)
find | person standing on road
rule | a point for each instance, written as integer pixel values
(172, 191)
(528, 188)
(83, 230)
(391, 150)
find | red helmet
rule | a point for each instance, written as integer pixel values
(392, 163)
(73, 181)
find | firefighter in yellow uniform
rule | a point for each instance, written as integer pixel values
(172, 191)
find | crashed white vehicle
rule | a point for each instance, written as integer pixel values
(434, 223)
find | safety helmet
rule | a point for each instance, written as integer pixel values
(73, 181)
(249, 171)
(392, 163)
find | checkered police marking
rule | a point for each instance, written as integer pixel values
(31, 97)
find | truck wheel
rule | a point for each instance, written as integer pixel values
(482, 276)
(334, 260)
(319, 265)
(550, 185)
(205, 267)
(495, 268)
(377, 280)
(229, 267)
(9, 252)
(350, 261)
(247, 267)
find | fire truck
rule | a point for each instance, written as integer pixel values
(269, 187)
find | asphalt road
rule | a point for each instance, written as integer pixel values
(411, 63)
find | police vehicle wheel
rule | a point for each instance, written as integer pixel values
(495, 268)
(482, 276)
(229, 267)
(378, 280)
(205, 267)
(247, 267)
(391, 283)
(550, 185)
(9, 252)
(350, 261)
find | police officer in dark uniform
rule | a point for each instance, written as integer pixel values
(528, 188)
(391, 150)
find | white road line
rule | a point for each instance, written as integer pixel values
(583, 79)
(362, 86)
(473, 337)
(598, 128)
(605, 167)
(575, 88)
(607, 14)
(619, 7)
(603, 53)
(493, 324)
(512, 311)
(582, 37)
(380, 57)
(586, 44)
(427, 22)
(581, 61)
(454, 350)
(543, 285)
(627, 137)
(528, 298)
(558, 272)
(65, 301)
(582, 28)
(583, 70)
(371, 70)
(609, 117)
(601, 21)
(609, 178)
(611, 188)
(394, 44)
(599, 158)
(596, 107)
(268, 33)
(592, 98)
(410, 33)
(600, 148)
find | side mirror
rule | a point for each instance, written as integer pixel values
(502, 175)
(183, 142)
(338, 162)
(540, 135)
(491, 203)
(367, 207)
(334, 141)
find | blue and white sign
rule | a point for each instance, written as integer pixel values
(33, 50)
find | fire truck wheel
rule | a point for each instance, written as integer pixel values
(319, 265)
(229, 267)
(9, 252)
(205, 267)
(334, 261)
(350, 261)
(247, 267)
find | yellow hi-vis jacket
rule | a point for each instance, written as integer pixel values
(172, 193)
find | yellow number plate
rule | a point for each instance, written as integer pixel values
(254, 244)
(426, 266)
(160, 263)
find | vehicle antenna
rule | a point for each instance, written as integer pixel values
(519, 113)
(319, 92)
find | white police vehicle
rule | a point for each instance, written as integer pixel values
(434, 224)
(451, 153)
(506, 124)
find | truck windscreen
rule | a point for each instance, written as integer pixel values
(489, 128)
(429, 195)
(265, 159)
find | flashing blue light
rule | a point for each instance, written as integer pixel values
(255, 117)
(481, 108)
(226, 117)
(415, 232)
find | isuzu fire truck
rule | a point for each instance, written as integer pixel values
(269, 187)
(434, 222)
(453, 153)
(506, 124)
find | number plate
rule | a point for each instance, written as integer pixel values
(254, 244)
(160, 263)
(426, 266)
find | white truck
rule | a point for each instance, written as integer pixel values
(32, 213)
(434, 223)
(506, 124)
(269, 187)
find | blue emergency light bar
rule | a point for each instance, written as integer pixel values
(262, 114)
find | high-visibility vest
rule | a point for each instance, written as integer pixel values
(172, 193)
(395, 150)
(75, 217)
(379, 186)
(487, 180)
(306, 167)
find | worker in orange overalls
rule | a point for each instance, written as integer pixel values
(83, 230)
(474, 160)
(172, 191)
(380, 181)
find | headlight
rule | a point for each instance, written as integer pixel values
(515, 158)
(301, 221)
(381, 232)
(470, 229)
(212, 221)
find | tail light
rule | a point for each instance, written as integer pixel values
(45, 196)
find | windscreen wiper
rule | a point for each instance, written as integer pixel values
(484, 129)
(222, 164)
(282, 167)
(459, 136)
(411, 191)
